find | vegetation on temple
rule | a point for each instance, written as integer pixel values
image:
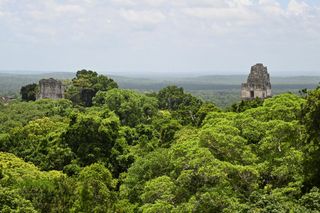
(160, 152)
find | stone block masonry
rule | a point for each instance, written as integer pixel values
(51, 88)
(258, 83)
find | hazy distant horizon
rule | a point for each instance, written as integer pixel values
(141, 74)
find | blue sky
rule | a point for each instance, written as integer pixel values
(161, 36)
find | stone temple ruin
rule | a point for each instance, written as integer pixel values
(51, 88)
(258, 84)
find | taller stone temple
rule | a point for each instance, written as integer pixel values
(258, 84)
(51, 88)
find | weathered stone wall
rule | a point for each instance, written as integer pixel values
(258, 83)
(51, 88)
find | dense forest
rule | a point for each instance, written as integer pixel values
(118, 150)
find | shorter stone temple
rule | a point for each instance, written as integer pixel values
(258, 84)
(51, 88)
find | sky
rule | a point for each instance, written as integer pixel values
(161, 36)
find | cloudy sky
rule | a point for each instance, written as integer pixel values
(160, 36)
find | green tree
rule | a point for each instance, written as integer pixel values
(29, 92)
(39, 142)
(161, 188)
(12, 202)
(204, 110)
(311, 120)
(286, 107)
(51, 192)
(95, 190)
(19, 114)
(184, 106)
(46, 191)
(145, 168)
(92, 135)
(86, 84)
(166, 126)
(132, 108)
(246, 104)
(311, 200)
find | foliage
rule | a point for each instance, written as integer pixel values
(311, 120)
(18, 114)
(184, 107)
(246, 104)
(94, 191)
(32, 189)
(221, 90)
(86, 84)
(39, 142)
(29, 92)
(91, 135)
(161, 152)
(131, 107)
(11, 201)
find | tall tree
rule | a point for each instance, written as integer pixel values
(86, 84)
(132, 107)
(311, 119)
(29, 92)
(184, 107)
(92, 135)
(95, 190)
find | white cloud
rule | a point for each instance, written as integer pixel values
(63, 9)
(162, 23)
(241, 3)
(223, 16)
(143, 17)
(50, 10)
(144, 3)
(129, 3)
(298, 8)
